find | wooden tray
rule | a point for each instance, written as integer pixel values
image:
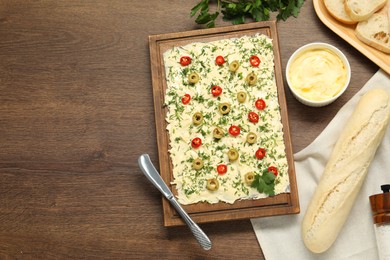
(347, 32)
(286, 203)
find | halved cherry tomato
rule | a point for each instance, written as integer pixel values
(185, 60)
(219, 60)
(260, 153)
(196, 142)
(273, 169)
(254, 60)
(253, 117)
(216, 91)
(221, 168)
(186, 99)
(234, 130)
(260, 104)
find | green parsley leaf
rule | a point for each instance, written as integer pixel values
(202, 5)
(268, 177)
(204, 17)
(237, 11)
(265, 183)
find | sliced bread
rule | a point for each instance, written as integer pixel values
(336, 8)
(375, 31)
(360, 10)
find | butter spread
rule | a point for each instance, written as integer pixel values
(191, 183)
(317, 74)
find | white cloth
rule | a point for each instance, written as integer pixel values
(280, 236)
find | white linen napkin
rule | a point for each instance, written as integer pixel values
(280, 236)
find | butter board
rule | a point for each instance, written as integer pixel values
(282, 204)
(347, 32)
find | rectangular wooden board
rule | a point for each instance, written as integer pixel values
(286, 203)
(347, 32)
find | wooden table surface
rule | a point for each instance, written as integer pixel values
(76, 111)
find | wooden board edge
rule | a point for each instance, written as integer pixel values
(237, 214)
(205, 32)
(157, 99)
(286, 124)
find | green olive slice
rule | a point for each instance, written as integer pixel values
(197, 118)
(249, 177)
(224, 108)
(241, 96)
(212, 184)
(197, 164)
(251, 79)
(193, 78)
(232, 154)
(233, 66)
(218, 133)
(251, 138)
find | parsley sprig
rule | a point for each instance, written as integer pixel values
(265, 183)
(237, 11)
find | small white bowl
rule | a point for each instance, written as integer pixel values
(312, 46)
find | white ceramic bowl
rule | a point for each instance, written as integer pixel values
(311, 46)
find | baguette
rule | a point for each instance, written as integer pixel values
(336, 8)
(360, 10)
(346, 171)
(375, 31)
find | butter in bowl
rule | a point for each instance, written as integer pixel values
(317, 74)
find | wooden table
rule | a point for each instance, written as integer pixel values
(76, 111)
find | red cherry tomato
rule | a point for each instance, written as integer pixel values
(186, 99)
(216, 91)
(221, 168)
(185, 60)
(234, 130)
(273, 169)
(253, 117)
(219, 60)
(254, 60)
(260, 153)
(260, 104)
(196, 142)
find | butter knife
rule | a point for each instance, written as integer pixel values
(154, 177)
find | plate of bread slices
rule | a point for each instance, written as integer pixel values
(363, 24)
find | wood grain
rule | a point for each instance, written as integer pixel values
(76, 111)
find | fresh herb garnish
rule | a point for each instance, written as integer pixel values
(237, 11)
(264, 183)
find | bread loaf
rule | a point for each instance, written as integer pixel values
(360, 10)
(337, 9)
(375, 31)
(345, 171)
